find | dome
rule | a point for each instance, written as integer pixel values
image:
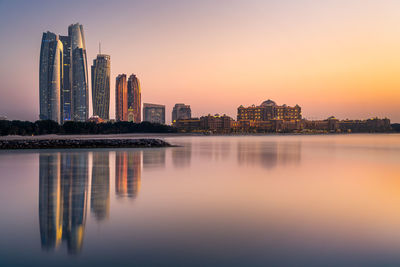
(267, 103)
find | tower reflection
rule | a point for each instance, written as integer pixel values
(100, 191)
(127, 173)
(63, 188)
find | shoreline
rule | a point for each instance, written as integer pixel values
(133, 136)
(22, 144)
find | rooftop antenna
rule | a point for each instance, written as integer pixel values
(100, 48)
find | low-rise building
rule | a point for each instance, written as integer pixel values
(154, 113)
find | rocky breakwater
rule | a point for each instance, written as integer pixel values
(82, 143)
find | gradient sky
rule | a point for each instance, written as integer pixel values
(332, 57)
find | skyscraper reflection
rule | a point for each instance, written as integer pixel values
(127, 173)
(63, 188)
(154, 158)
(50, 201)
(100, 192)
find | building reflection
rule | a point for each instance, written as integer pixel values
(63, 189)
(100, 190)
(154, 158)
(127, 173)
(269, 155)
(181, 156)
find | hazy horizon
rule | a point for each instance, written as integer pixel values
(332, 58)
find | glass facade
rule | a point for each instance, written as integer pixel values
(101, 86)
(134, 99)
(51, 77)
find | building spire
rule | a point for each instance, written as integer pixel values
(100, 48)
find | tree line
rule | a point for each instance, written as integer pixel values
(41, 127)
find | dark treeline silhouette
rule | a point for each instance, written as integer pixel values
(50, 127)
(396, 127)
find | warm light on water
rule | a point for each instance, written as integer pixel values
(278, 200)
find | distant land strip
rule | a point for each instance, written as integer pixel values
(82, 143)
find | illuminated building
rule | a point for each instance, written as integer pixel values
(101, 86)
(51, 77)
(127, 173)
(181, 112)
(80, 93)
(134, 99)
(66, 95)
(154, 113)
(269, 110)
(121, 98)
(216, 123)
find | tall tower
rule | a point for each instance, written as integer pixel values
(101, 86)
(134, 98)
(66, 94)
(80, 93)
(51, 77)
(121, 98)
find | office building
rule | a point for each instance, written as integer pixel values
(181, 112)
(51, 77)
(101, 86)
(66, 93)
(134, 99)
(121, 98)
(80, 91)
(154, 113)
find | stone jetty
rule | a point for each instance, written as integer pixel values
(81, 143)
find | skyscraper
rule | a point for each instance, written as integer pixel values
(121, 98)
(154, 113)
(101, 86)
(80, 94)
(181, 112)
(134, 99)
(66, 94)
(51, 77)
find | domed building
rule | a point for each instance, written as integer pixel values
(268, 111)
(268, 103)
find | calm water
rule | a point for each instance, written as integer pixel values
(215, 201)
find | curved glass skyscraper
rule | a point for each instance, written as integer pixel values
(134, 99)
(101, 86)
(80, 93)
(51, 77)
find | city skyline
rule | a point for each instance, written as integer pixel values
(318, 55)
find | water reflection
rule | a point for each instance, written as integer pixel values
(100, 193)
(63, 180)
(154, 158)
(127, 173)
(269, 154)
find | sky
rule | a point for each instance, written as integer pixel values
(332, 57)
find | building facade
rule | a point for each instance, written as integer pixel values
(80, 91)
(154, 113)
(269, 110)
(181, 112)
(121, 98)
(66, 94)
(134, 99)
(101, 86)
(51, 77)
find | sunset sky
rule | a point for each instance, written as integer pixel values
(332, 57)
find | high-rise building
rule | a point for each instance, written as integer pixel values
(51, 77)
(154, 113)
(181, 112)
(63, 76)
(101, 86)
(80, 93)
(66, 94)
(121, 98)
(134, 99)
